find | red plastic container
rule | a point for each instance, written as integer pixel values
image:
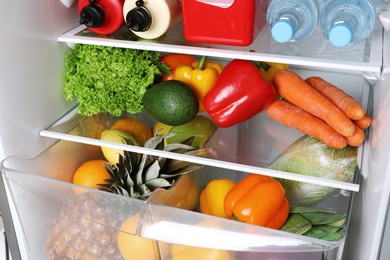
(101, 16)
(230, 22)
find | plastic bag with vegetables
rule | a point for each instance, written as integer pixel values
(309, 156)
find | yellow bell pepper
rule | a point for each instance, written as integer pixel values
(213, 195)
(200, 76)
(180, 252)
(269, 69)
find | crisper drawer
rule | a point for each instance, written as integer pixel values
(52, 210)
(58, 216)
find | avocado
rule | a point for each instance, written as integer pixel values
(171, 102)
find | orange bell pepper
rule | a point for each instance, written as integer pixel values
(200, 76)
(258, 200)
(174, 60)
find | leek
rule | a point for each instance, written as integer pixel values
(317, 223)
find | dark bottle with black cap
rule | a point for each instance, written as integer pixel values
(150, 19)
(101, 16)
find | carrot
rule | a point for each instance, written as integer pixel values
(293, 88)
(363, 123)
(357, 138)
(292, 116)
(345, 102)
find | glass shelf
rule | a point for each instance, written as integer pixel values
(229, 148)
(312, 52)
(246, 147)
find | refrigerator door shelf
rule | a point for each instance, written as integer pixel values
(314, 52)
(41, 190)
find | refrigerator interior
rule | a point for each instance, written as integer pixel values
(34, 52)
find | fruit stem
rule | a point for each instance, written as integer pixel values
(202, 63)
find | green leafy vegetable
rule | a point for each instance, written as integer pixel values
(109, 79)
(317, 223)
(296, 224)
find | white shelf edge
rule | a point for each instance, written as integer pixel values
(206, 161)
(71, 37)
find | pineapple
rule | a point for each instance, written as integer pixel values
(138, 178)
(88, 227)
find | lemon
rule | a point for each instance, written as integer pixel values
(115, 136)
(161, 128)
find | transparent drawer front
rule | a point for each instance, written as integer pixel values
(58, 217)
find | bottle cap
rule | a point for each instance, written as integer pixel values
(92, 16)
(283, 30)
(138, 19)
(340, 34)
(384, 17)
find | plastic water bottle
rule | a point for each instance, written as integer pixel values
(292, 20)
(347, 22)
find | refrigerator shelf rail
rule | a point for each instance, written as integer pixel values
(314, 52)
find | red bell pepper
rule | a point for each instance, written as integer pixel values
(238, 94)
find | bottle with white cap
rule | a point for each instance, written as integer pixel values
(347, 22)
(292, 20)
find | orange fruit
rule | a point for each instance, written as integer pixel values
(135, 127)
(90, 173)
(135, 247)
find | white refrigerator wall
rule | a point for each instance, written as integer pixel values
(30, 72)
(385, 249)
(30, 76)
(365, 239)
(369, 208)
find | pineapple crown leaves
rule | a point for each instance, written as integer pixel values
(138, 178)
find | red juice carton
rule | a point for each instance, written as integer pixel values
(228, 22)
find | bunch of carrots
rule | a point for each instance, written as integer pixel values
(319, 109)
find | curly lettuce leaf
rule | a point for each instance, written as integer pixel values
(109, 79)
